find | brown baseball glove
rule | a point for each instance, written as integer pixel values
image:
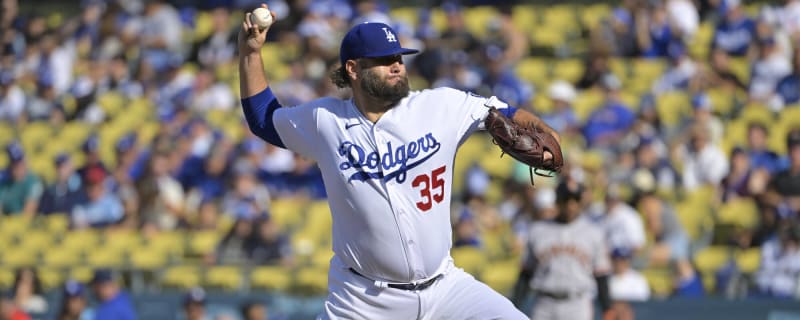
(525, 144)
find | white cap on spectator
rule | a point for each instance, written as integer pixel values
(562, 90)
(545, 198)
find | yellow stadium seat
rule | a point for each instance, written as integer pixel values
(534, 70)
(121, 241)
(709, 260)
(741, 68)
(619, 67)
(34, 135)
(14, 225)
(61, 257)
(112, 102)
(18, 257)
(648, 69)
(548, 37)
(6, 277)
(319, 221)
(408, 15)
(591, 15)
(542, 104)
(105, 258)
(587, 102)
(477, 19)
(561, 17)
(50, 278)
(287, 213)
(271, 278)
(756, 113)
(172, 242)
(312, 280)
(184, 276)
(695, 217)
(81, 240)
(224, 277)
(660, 281)
(495, 165)
(749, 260)
(501, 276)
(672, 107)
(56, 224)
(471, 259)
(203, 242)
(36, 240)
(81, 274)
(524, 16)
(322, 258)
(570, 70)
(740, 212)
(203, 26)
(6, 134)
(148, 258)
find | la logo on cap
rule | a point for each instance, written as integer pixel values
(389, 35)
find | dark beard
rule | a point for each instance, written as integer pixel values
(372, 84)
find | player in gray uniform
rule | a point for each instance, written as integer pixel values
(566, 261)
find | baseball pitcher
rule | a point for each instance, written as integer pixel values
(386, 156)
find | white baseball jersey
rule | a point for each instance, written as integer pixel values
(388, 183)
(567, 256)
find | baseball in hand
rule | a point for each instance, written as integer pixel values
(261, 17)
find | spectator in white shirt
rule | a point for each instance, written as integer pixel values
(780, 264)
(626, 284)
(623, 225)
(703, 162)
(12, 98)
(768, 70)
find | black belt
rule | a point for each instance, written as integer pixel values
(407, 286)
(554, 295)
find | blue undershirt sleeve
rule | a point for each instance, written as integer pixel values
(258, 111)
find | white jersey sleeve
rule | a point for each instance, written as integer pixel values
(468, 109)
(297, 128)
(601, 260)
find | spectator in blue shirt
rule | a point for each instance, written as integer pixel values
(610, 122)
(659, 34)
(114, 303)
(758, 150)
(74, 303)
(502, 82)
(65, 192)
(100, 207)
(735, 31)
(788, 88)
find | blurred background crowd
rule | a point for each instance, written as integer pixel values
(126, 149)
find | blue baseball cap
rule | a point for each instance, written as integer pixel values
(195, 295)
(61, 158)
(102, 276)
(126, 142)
(701, 101)
(91, 144)
(15, 152)
(74, 288)
(371, 40)
(621, 253)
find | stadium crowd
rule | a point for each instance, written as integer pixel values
(149, 90)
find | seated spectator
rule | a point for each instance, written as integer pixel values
(780, 264)
(680, 73)
(783, 191)
(735, 31)
(596, 68)
(671, 241)
(683, 15)
(208, 215)
(20, 189)
(767, 71)
(609, 123)
(12, 98)
(650, 156)
(268, 245)
(92, 159)
(703, 114)
(219, 46)
(688, 283)
(500, 80)
(100, 207)
(208, 94)
(74, 304)
(788, 88)
(246, 190)
(758, 149)
(28, 293)
(562, 118)
(703, 163)
(622, 224)
(465, 231)
(626, 284)
(194, 305)
(112, 301)
(162, 197)
(735, 184)
(64, 193)
(721, 75)
(161, 33)
(654, 32)
(9, 310)
(233, 247)
(254, 311)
